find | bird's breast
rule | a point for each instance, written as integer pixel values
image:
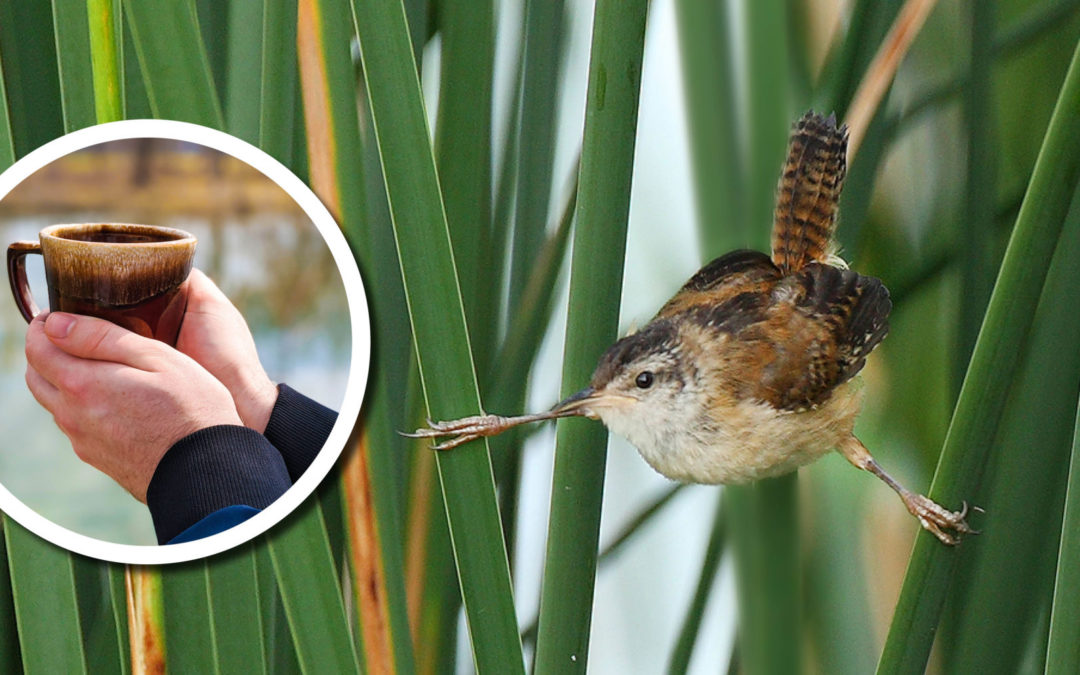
(746, 441)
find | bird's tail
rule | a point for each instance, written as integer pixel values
(809, 192)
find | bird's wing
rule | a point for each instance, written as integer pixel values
(823, 324)
(728, 276)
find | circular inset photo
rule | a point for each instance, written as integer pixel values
(184, 347)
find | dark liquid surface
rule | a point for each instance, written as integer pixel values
(118, 237)
(158, 318)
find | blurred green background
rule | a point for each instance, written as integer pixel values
(254, 242)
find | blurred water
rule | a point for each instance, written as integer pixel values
(278, 271)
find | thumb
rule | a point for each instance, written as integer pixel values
(203, 292)
(91, 338)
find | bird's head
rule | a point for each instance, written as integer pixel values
(637, 381)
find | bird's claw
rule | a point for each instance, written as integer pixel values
(463, 430)
(938, 520)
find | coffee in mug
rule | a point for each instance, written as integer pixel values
(132, 275)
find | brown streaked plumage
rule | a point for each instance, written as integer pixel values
(749, 370)
(809, 192)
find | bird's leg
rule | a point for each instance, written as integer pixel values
(470, 428)
(932, 516)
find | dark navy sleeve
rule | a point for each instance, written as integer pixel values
(298, 428)
(210, 470)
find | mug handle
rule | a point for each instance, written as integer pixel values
(16, 264)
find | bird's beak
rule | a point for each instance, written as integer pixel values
(586, 402)
(575, 404)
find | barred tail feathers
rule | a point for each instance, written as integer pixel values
(809, 192)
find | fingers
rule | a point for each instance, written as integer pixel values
(72, 375)
(87, 337)
(45, 359)
(44, 391)
(200, 284)
(203, 293)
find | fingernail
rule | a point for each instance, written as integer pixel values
(58, 325)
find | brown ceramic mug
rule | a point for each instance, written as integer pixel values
(132, 275)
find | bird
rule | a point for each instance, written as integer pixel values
(749, 370)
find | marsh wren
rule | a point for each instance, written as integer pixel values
(749, 370)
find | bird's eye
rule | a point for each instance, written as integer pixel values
(644, 379)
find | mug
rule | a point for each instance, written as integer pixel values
(132, 275)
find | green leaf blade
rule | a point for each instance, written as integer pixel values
(596, 274)
(173, 60)
(190, 646)
(1024, 489)
(46, 606)
(986, 385)
(1063, 648)
(463, 151)
(106, 36)
(73, 60)
(306, 575)
(32, 84)
(438, 323)
(243, 69)
(235, 607)
(277, 95)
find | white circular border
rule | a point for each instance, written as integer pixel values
(358, 366)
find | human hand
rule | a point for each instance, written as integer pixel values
(215, 334)
(123, 400)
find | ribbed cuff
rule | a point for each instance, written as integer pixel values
(211, 469)
(298, 428)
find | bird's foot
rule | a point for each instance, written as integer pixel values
(463, 430)
(944, 524)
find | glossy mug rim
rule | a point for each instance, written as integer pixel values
(182, 237)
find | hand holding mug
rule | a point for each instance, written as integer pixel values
(122, 399)
(215, 334)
